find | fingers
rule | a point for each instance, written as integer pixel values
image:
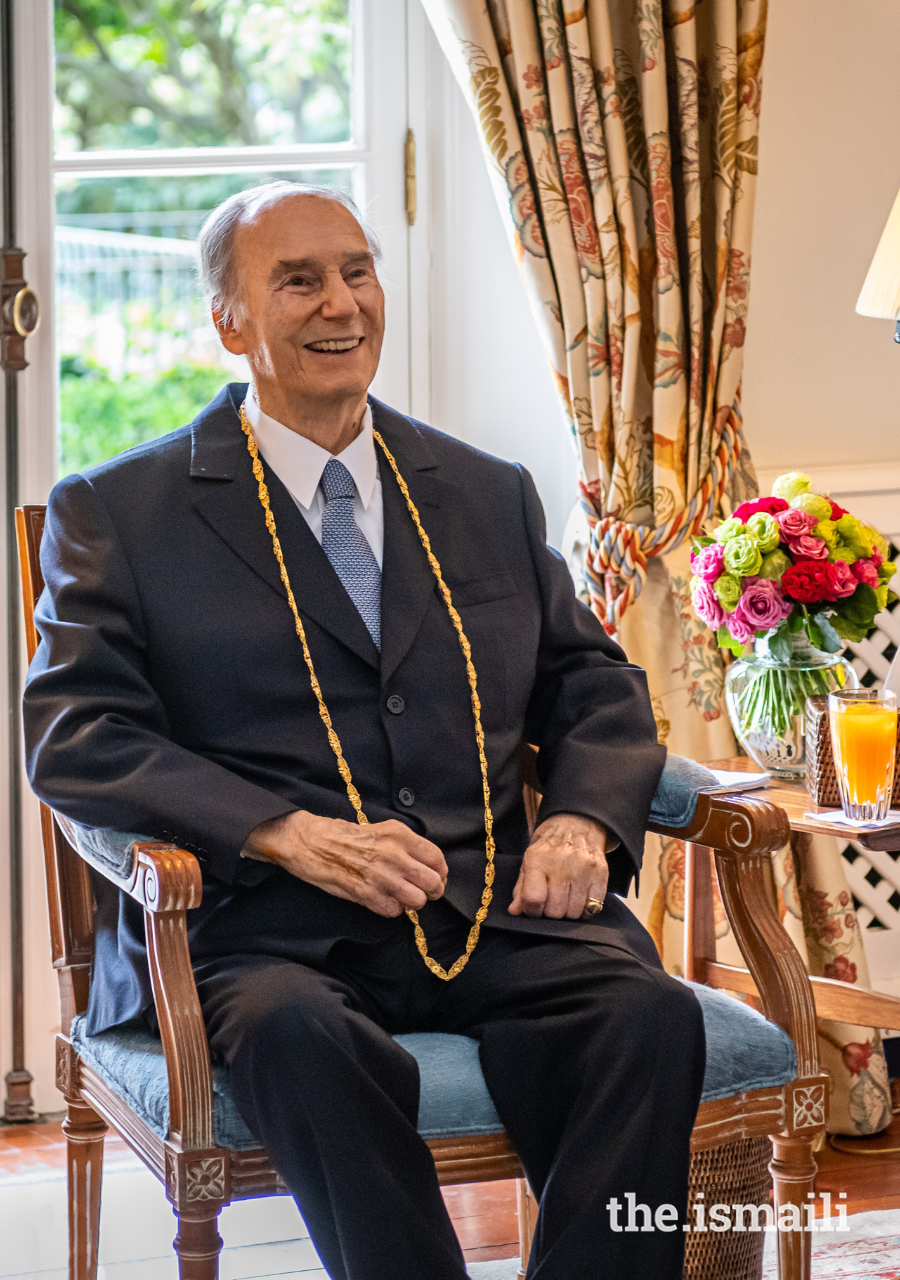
(530, 894)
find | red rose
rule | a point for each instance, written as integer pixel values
(771, 506)
(836, 511)
(807, 581)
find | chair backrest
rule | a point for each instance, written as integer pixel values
(68, 884)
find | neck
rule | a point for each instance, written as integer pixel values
(331, 424)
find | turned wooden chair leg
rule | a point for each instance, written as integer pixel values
(198, 1244)
(793, 1172)
(528, 1211)
(84, 1132)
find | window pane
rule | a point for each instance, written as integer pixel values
(201, 73)
(138, 353)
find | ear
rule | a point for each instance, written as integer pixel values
(229, 332)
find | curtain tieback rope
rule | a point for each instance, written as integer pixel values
(616, 561)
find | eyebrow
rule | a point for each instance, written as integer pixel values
(288, 265)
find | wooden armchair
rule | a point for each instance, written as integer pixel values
(201, 1176)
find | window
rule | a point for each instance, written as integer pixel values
(161, 111)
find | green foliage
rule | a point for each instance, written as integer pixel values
(822, 634)
(853, 617)
(100, 417)
(198, 73)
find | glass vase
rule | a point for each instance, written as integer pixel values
(766, 700)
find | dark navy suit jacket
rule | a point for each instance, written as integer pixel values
(169, 695)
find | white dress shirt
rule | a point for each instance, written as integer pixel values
(298, 463)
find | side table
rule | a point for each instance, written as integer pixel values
(838, 1001)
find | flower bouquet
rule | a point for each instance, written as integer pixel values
(799, 575)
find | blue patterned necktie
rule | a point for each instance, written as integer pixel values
(345, 545)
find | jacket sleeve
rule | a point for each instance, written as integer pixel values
(97, 736)
(589, 713)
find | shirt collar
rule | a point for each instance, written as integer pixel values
(299, 462)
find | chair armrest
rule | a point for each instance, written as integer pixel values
(161, 877)
(166, 881)
(744, 823)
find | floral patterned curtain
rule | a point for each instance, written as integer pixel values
(621, 138)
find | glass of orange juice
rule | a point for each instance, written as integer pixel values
(864, 740)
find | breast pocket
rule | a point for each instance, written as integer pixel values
(483, 590)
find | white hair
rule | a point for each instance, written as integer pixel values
(216, 241)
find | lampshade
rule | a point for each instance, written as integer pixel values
(881, 292)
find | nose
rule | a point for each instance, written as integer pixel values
(338, 302)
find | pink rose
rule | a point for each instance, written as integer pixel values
(877, 559)
(794, 523)
(808, 547)
(707, 564)
(706, 604)
(738, 628)
(842, 579)
(762, 606)
(865, 571)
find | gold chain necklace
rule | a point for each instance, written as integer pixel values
(335, 742)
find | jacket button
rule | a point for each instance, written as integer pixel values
(396, 705)
(407, 797)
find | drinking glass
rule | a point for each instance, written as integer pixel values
(864, 741)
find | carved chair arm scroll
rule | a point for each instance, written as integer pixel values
(166, 881)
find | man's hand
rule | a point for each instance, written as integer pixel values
(383, 866)
(563, 866)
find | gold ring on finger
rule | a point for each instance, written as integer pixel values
(592, 907)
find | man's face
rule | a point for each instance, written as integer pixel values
(311, 310)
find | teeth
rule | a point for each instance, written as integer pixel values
(346, 345)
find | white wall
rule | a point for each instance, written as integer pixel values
(490, 382)
(822, 384)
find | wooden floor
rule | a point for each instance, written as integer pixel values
(484, 1214)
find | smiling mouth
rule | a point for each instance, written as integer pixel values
(334, 345)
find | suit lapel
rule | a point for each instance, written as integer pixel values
(226, 496)
(407, 583)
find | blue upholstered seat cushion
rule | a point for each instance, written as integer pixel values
(743, 1051)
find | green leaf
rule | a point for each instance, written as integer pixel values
(860, 608)
(822, 634)
(795, 621)
(780, 645)
(849, 629)
(725, 640)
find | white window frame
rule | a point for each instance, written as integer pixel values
(390, 98)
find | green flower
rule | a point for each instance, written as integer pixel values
(730, 528)
(847, 539)
(790, 484)
(742, 555)
(813, 505)
(766, 531)
(774, 565)
(728, 589)
(881, 595)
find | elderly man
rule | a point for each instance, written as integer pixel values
(305, 610)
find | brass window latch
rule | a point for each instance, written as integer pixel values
(409, 169)
(20, 313)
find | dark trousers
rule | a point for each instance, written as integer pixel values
(594, 1058)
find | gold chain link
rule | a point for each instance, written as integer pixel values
(335, 742)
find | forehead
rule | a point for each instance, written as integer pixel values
(301, 227)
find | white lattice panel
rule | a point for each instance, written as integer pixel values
(874, 877)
